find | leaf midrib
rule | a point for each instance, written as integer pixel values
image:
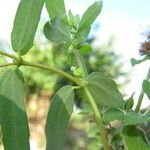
(26, 24)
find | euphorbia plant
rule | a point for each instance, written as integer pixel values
(96, 89)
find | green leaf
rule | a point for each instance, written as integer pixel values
(133, 118)
(73, 20)
(117, 140)
(25, 25)
(56, 8)
(129, 103)
(90, 15)
(146, 87)
(81, 62)
(13, 117)
(130, 118)
(71, 61)
(82, 36)
(112, 114)
(85, 49)
(58, 118)
(134, 138)
(57, 31)
(104, 90)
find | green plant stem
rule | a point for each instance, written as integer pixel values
(140, 99)
(58, 71)
(7, 65)
(24, 63)
(9, 55)
(98, 118)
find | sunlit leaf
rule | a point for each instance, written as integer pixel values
(56, 8)
(73, 20)
(83, 35)
(90, 15)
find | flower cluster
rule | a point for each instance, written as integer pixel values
(145, 46)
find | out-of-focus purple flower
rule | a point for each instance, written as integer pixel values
(145, 46)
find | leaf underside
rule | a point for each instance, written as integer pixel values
(58, 118)
(13, 117)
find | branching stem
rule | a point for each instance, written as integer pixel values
(7, 65)
(9, 55)
(55, 70)
(19, 63)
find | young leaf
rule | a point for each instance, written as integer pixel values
(58, 117)
(90, 15)
(134, 138)
(81, 62)
(71, 61)
(13, 119)
(71, 16)
(129, 103)
(25, 25)
(146, 87)
(73, 20)
(77, 72)
(57, 31)
(104, 90)
(56, 8)
(82, 36)
(85, 49)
